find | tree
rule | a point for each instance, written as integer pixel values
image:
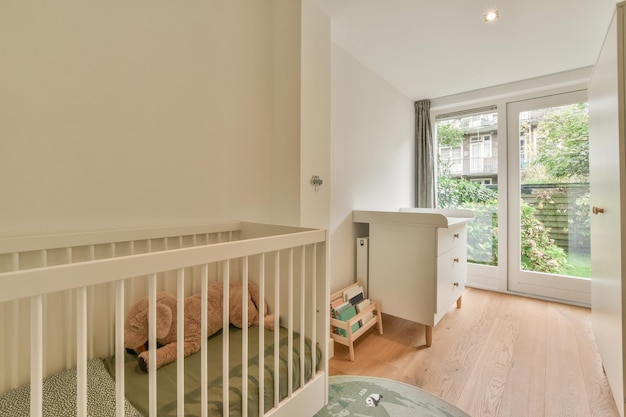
(564, 151)
(450, 133)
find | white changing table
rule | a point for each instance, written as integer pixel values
(417, 261)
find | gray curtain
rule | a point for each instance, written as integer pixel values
(425, 196)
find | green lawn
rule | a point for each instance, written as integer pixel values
(580, 265)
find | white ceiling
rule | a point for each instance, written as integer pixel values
(434, 48)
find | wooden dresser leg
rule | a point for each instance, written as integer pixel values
(459, 302)
(429, 336)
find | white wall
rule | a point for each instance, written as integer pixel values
(372, 154)
(315, 117)
(286, 49)
(120, 114)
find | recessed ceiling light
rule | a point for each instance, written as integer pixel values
(491, 15)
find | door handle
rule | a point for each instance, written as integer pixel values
(597, 210)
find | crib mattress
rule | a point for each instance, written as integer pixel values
(137, 381)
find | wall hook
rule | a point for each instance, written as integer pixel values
(316, 181)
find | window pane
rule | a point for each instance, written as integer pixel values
(554, 190)
(468, 178)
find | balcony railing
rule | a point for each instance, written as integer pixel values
(462, 166)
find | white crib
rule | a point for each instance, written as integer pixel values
(64, 298)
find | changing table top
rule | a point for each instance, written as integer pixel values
(418, 216)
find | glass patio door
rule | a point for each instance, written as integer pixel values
(548, 197)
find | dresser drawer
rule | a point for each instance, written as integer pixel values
(448, 238)
(451, 277)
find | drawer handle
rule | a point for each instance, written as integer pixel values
(456, 235)
(456, 260)
(456, 284)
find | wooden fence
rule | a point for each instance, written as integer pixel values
(564, 209)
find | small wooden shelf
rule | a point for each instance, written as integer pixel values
(374, 308)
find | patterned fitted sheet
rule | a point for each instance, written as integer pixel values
(59, 395)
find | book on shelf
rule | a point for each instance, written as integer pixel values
(334, 312)
(357, 299)
(334, 304)
(362, 306)
(345, 313)
(354, 294)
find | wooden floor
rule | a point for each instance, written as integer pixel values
(498, 355)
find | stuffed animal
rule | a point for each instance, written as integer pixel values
(254, 307)
(136, 328)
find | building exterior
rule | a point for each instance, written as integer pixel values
(476, 158)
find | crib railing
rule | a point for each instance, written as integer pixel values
(92, 279)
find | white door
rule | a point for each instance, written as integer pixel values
(548, 195)
(607, 179)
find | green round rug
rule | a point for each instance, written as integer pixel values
(361, 396)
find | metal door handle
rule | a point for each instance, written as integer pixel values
(597, 210)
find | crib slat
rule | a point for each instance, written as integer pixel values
(130, 289)
(152, 346)
(43, 262)
(14, 336)
(277, 330)
(204, 289)
(114, 250)
(314, 309)
(91, 316)
(261, 355)
(301, 311)
(81, 351)
(13, 326)
(180, 342)
(119, 348)
(244, 339)
(225, 339)
(36, 356)
(68, 314)
(15, 261)
(290, 324)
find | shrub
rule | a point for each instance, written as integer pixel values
(455, 192)
(539, 253)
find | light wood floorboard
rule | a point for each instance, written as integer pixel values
(499, 355)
